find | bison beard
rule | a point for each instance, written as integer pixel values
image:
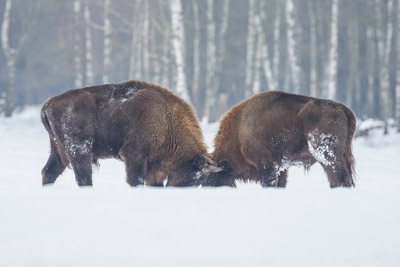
(154, 132)
(260, 138)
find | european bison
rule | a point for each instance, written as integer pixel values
(260, 138)
(154, 132)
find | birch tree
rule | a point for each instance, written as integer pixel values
(384, 69)
(276, 44)
(250, 46)
(178, 47)
(333, 52)
(211, 64)
(397, 110)
(12, 43)
(77, 45)
(107, 42)
(11, 58)
(313, 53)
(88, 46)
(291, 42)
(196, 52)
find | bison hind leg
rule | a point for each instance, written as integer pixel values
(267, 175)
(54, 166)
(327, 150)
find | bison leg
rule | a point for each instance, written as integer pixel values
(282, 178)
(83, 170)
(54, 166)
(267, 175)
(134, 174)
(338, 174)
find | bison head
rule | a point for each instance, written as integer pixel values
(221, 178)
(193, 172)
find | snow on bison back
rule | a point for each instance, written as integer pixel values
(153, 131)
(260, 138)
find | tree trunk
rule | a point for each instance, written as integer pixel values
(333, 52)
(398, 72)
(11, 57)
(146, 45)
(292, 46)
(88, 46)
(262, 60)
(250, 48)
(178, 47)
(196, 53)
(106, 42)
(313, 53)
(276, 46)
(77, 45)
(210, 100)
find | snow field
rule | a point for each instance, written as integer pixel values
(111, 224)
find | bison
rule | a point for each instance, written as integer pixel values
(260, 138)
(153, 131)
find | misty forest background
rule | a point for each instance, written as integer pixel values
(213, 53)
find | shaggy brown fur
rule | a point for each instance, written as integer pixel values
(262, 136)
(152, 130)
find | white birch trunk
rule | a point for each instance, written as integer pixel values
(313, 55)
(196, 52)
(11, 58)
(178, 47)
(333, 52)
(250, 48)
(259, 55)
(211, 56)
(221, 51)
(277, 32)
(106, 42)
(386, 101)
(146, 45)
(262, 59)
(293, 62)
(88, 46)
(397, 110)
(77, 46)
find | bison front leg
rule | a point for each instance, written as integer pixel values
(134, 174)
(267, 174)
(282, 178)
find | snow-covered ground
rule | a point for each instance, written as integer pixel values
(111, 224)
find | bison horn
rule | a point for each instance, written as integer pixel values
(212, 166)
(210, 161)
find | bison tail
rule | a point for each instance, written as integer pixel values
(45, 120)
(351, 120)
(53, 142)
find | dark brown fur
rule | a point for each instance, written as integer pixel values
(262, 136)
(148, 127)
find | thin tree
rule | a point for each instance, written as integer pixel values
(12, 53)
(211, 64)
(77, 45)
(333, 52)
(178, 48)
(292, 46)
(88, 46)
(250, 46)
(107, 42)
